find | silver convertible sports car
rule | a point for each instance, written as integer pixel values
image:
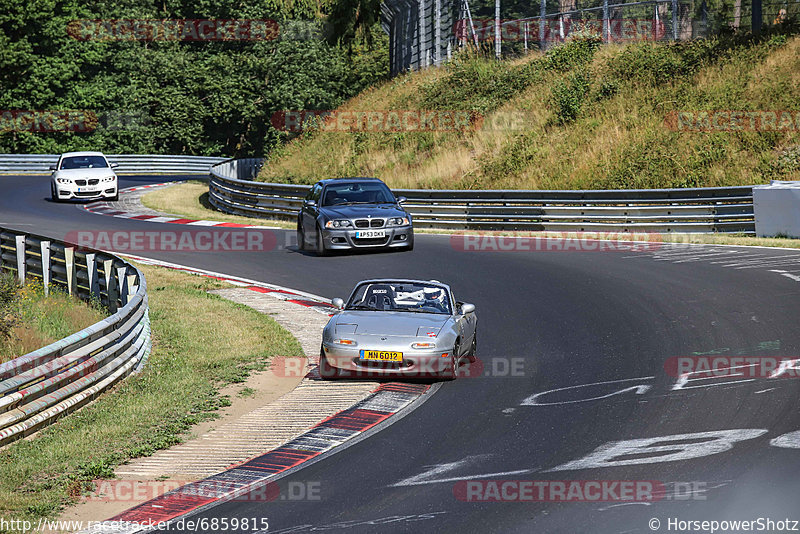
(403, 328)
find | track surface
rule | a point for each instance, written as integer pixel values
(564, 319)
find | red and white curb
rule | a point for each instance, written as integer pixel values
(103, 207)
(386, 401)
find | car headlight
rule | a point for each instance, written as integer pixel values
(397, 221)
(425, 345)
(63, 180)
(109, 178)
(338, 223)
(345, 342)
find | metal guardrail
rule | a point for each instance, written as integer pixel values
(41, 386)
(128, 163)
(699, 210)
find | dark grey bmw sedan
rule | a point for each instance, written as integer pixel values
(347, 213)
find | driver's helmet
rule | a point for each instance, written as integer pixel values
(433, 293)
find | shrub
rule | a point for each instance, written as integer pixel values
(569, 96)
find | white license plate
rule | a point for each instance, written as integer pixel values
(361, 234)
(87, 189)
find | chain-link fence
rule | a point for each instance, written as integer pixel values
(427, 32)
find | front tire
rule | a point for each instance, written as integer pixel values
(452, 372)
(301, 238)
(472, 356)
(53, 193)
(326, 371)
(320, 248)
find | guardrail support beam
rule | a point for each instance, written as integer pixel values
(69, 261)
(111, 286)
(91, 271)
(21, 266)
(45, 249)
(122, 284)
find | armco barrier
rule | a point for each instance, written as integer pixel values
(39, 387)
(128, 163)
(721, 209)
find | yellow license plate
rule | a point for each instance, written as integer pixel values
(381, 356)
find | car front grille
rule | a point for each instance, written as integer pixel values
(86, 193)
(94, 181)
(370, 223)
(80, 182)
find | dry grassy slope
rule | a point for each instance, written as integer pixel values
(618, 140)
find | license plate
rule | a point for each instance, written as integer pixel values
(381, 356)
(361, 234)
(87, 189)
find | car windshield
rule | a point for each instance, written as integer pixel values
(400, 296)
(84, 162)
(357, 193)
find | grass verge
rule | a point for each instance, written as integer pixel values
(201, 343)
(190, 200)
(39, 320)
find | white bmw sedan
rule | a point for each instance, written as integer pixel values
(83, 175)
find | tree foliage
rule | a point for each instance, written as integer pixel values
(205, 98)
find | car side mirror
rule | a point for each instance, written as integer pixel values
(114, 165)
(52, 167)
(338, 303)
(310, 203)
(467, 308)
(400, 200)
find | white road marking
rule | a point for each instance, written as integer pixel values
(639, 390)
(665, 449)
(412, 482)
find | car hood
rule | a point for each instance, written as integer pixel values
(362, 210)
(96, 172)
(389, 323)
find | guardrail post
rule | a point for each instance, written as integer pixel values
(111, 286)
(69, 261)
(132, 285)
(45, 246)
(122, 284)
(20, 244)
(91, 271)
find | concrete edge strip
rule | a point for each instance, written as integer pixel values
(103, 208)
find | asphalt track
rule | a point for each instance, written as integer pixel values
(558, 319)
